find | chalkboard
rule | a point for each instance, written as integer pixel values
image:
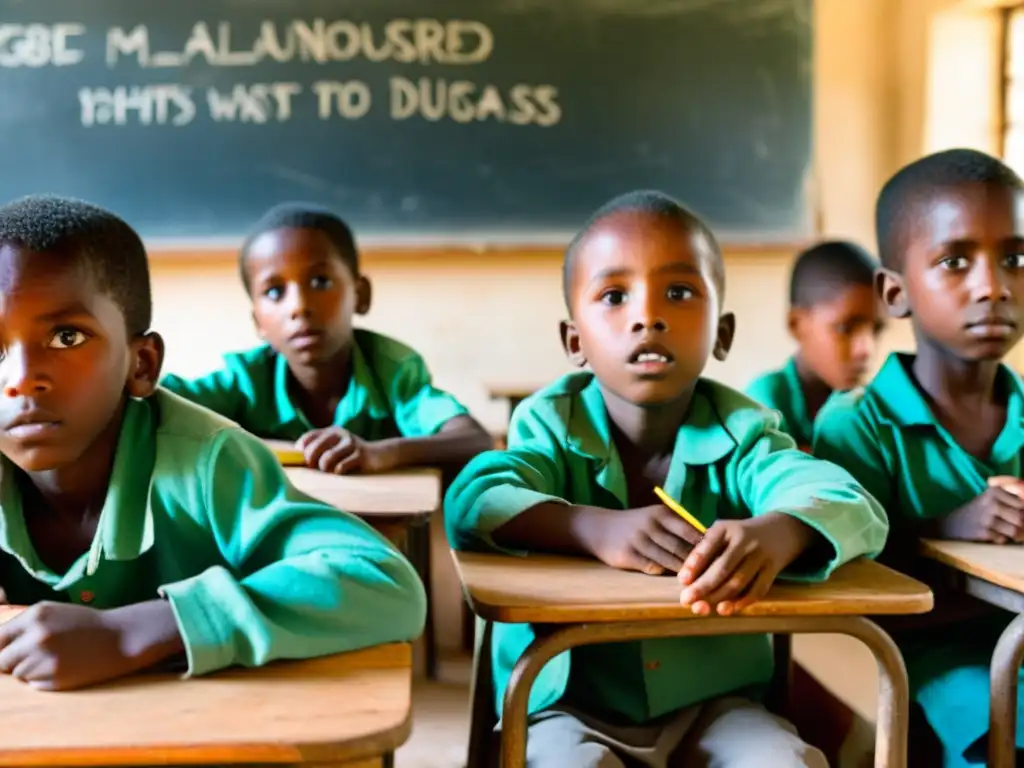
(480, 120)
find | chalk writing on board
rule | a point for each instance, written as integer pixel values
(403, 41)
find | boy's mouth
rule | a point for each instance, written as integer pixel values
(651, 358)
(30, 425)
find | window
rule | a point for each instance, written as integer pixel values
(1013, 90)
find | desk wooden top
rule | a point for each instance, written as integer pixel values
(412, 493)
(999, 564)
(559, 590)
(342, 708)
(509, 391)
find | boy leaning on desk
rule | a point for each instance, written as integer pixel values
(140, 528)
(644, 285)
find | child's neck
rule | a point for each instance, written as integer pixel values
(953, 382)
(322, 385)
(815, 391)
(650, 430)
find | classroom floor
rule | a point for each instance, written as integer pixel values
(441, 727)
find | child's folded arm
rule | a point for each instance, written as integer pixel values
(849, 521)
(498, 486)
(299, 579)
(457, 441)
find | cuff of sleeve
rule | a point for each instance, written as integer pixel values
(440, 417)
(502, 503)
(207, 637)
(817, 571)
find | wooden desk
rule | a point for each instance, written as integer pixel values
(573, 602)
(399, 505)
(352, 709)
(993, 573)
(514, 393)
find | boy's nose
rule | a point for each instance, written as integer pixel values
(19, 377)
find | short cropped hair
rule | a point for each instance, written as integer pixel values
(652, 203)
(824, 270)
(303, 216)
(103, 242)
(912, 183)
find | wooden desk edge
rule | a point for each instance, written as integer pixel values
(933, 551)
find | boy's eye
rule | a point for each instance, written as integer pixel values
(274, 293)
(66, 338)
(1015, 261)
(320, 282)
(613, 297)
(955, 263)
(679, 293)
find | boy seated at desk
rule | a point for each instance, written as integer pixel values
(140, 527)
(835, 319)
(644, 285)
(937, 436)
(354, 400)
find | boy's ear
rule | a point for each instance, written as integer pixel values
(571, 343)
(794, 320)
(726, 334)
(364, 295)
(892, 291)
(147, 360)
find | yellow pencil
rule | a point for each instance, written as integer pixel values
(676, 507)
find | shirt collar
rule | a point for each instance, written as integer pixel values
(364, 395)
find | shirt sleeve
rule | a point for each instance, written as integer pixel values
(300, 578)
(220, 391)
(496, 486)
(765, 390)
(420, 408)
(775, 477)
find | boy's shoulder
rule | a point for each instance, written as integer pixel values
(382, 347)
(251, 361)
(557, 405)
(181, 425)
(771, 385)
(890, 397)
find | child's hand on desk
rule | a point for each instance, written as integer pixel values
(738, 560)
(997, 515)
(59, 646)
(339, 452)
(653, 540)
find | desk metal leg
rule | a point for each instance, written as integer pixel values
(418, 545)
(1002, 725)
(893, 688)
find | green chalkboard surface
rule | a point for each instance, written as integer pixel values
(457, 120)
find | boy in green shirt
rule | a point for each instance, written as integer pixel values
(354, 400)
(835, 319)
(937, 436)
(644, 287)
(141, 527)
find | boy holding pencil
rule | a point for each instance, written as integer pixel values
(587, 461)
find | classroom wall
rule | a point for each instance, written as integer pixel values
(892, 81)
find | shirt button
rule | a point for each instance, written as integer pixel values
(86, 596)
(653, 665)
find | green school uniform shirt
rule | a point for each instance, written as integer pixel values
(389, 395)
(729, 461)
(888, 438)
(780, 390)
(200, 512)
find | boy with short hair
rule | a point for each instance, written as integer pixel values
(835, 320)
(644, 288)
(354, 400)
(140, 527)
(937, 436)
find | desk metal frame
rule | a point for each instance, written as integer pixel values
(552, 639)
